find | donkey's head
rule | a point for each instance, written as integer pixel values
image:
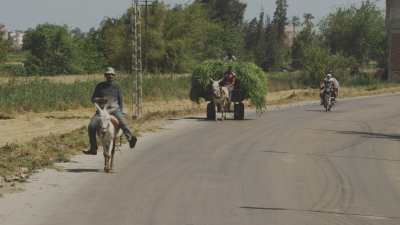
(105, 119)
(216, 90)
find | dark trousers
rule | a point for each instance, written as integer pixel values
(95, 123)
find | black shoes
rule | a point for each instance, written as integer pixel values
(132, 141)
(90, 152)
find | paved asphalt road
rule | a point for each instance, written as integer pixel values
(295, 166)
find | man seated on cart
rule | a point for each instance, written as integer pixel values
(229, 81)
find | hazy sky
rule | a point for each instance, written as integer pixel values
(23, 14)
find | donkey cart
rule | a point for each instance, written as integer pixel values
(238, 106)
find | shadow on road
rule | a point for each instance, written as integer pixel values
(331, 155)
(371, 134)
(314, 110)
(364, 134)
(198, 118)
(322, 110)
(83, 170)
(203, 119)
(322, 212)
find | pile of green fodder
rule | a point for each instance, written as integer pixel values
(252, 81)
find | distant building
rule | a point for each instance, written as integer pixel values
(3, 32)
(17, 38)
(393, 30)
(290, 32)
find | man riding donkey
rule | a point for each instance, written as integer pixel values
(108, 91)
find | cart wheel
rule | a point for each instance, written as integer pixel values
(211, 113)
(235, 112)
(241, 111)
(238, 113)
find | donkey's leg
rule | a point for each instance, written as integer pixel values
(104, 145)
(109, 150)
(105, 163)
(226, 108)
(216, 110)
(112, 155)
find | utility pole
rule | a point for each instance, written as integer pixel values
(136, 60)
(146, 16)
(137, 53)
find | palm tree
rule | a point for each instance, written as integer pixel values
(295, 22)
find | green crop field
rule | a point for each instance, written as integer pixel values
(40, 95)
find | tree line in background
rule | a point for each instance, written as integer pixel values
(180, 37)
(4, 47)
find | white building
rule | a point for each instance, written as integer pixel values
(17, 38)
(3, 32)
(290, 32)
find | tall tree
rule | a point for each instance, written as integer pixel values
(53, 51)
(304, 40)
(228, 12)
(295, 23)
(92, 57)
(250, 31)
(4, 47)
(356, 31)
(276, 51)
(280, 19)
(308, 23)
(272, 50)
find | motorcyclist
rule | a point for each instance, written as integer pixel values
(110, 91)
(329, 80)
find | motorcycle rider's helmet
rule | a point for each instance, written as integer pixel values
(329, 76)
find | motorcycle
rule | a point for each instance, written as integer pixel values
(329, 99)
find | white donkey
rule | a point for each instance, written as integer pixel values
(108, 132)
(220, 98)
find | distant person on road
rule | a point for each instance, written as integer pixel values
(329, 80)
(108, 91)
(229, 81)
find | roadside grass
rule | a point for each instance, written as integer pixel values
(43, 152)
(67, 79)
(40, 152)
